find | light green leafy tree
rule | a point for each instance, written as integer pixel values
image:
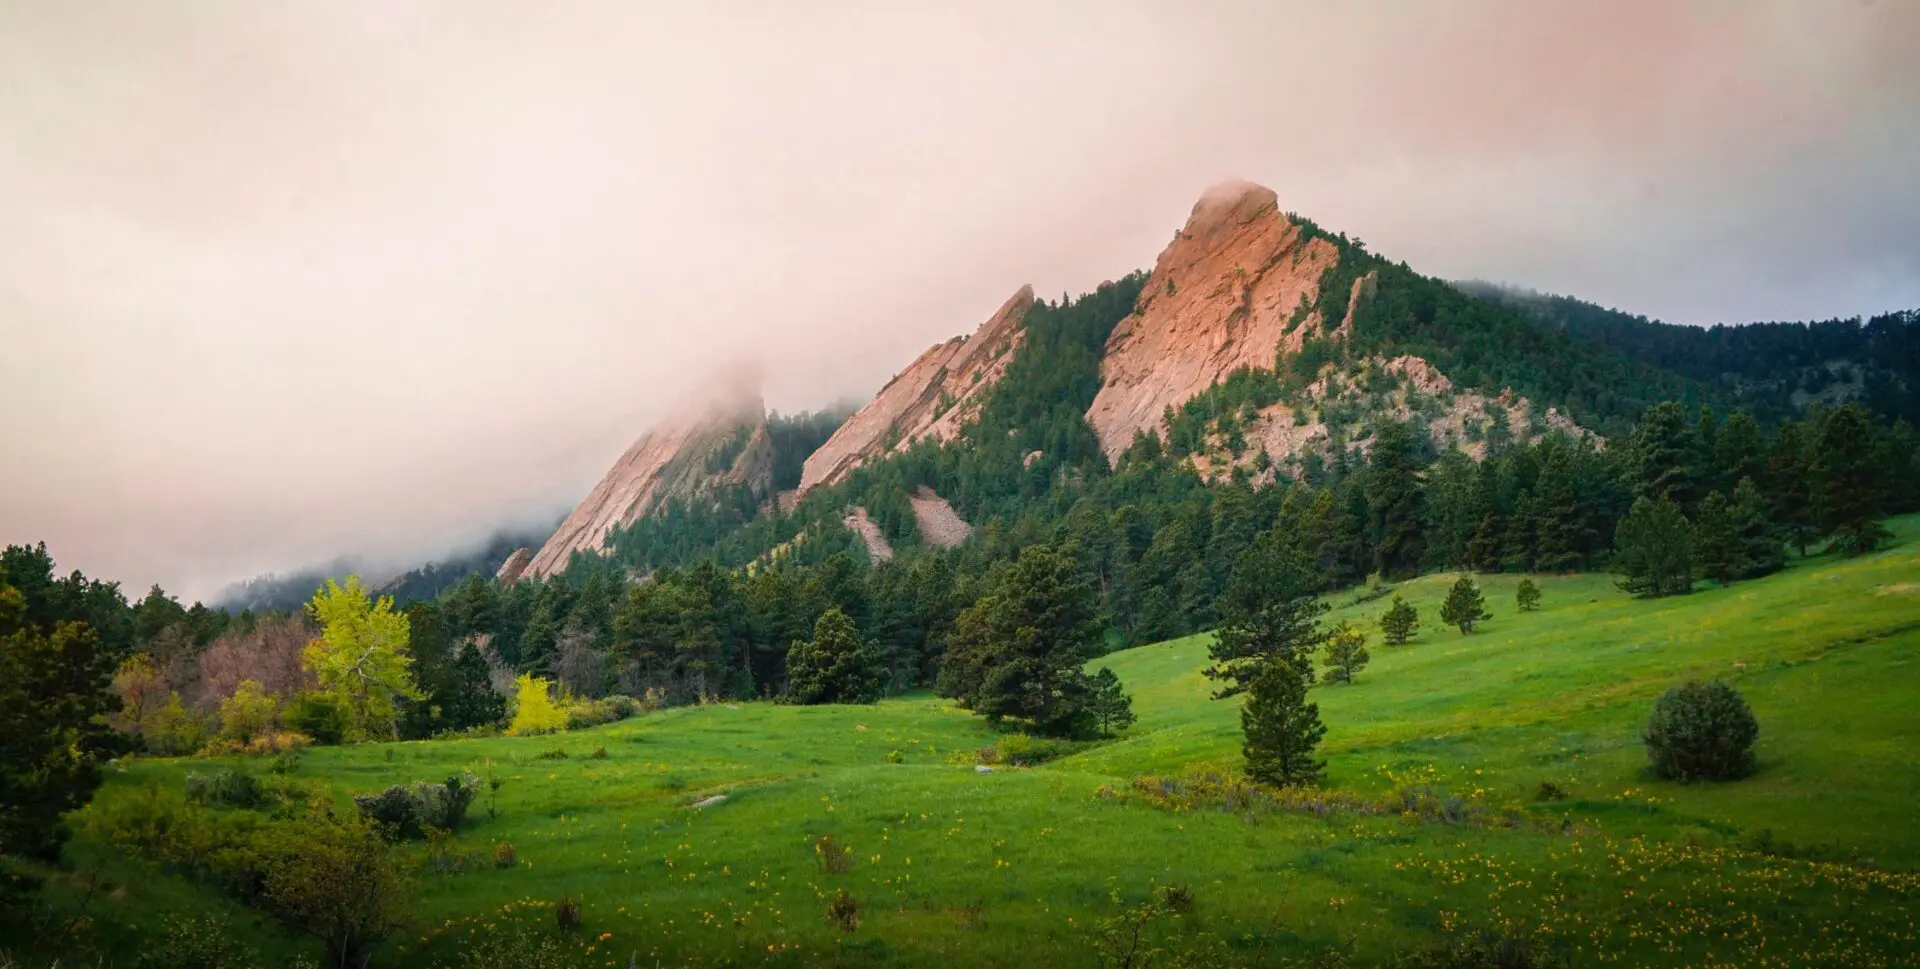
(362, 657)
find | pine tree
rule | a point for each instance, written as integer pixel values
(835, 666)
(1789, 489)
(1109, 703)
(1716, 550)
(1346, 652)
(1527, 596)
(1017, 652)
(1665, 451)
(468, 698)
(1848, 493)
(1563, 529)
(1281, 728)
(1269, 610)
(1739, 451)
(1760, 549)
(1398, 624)
(1653, 550)
(1464, 606)
(1396, 502)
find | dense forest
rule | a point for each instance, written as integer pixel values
(1771, 369)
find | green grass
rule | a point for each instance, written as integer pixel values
(1015, 867)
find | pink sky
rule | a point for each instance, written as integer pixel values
(285, 281)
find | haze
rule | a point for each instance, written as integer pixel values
(283, 281)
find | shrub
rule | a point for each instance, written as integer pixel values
(896, 757)
(582, 714)
(566, 912)
(1022, 750)
(1701, 731)
(206, 943)
(225, 788)
(318, 715)
(534, 710)
(1549, 791)
(599, 753)
(173, 729)
(443, 852)
(1177, 899)
(835, 858)
(504, 856)
(408, 811)
(556, 753)
(250, 712)
(844, 911)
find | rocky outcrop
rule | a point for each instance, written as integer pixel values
(516, 564)
(1234, 288)
(933, 397)
(719, 443)
(939, 524)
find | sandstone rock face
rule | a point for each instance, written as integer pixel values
(933, 397)
(515, 564)
(718, 443)
(1228, 292)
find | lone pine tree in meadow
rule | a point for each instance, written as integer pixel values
(1346, 652)
(835, 666)
(1527, 596)
(1397, 625)
(1653, 550)
(1464, 606)
(1281, 728)
(1111, 707)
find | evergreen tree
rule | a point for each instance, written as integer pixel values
(1760, 549)
(1397, 625)
(1346, 652)
(1270, 610)
(835, 666)
(1527, 596)
(466, 695)
(1396, 502)
(1017, 652)
(1789, 485)
(1848, 493)
(1563, 529)
(1464, 606)
(1109, 703)
(1739, 451)
(1653, 550)
(1666, 455)
(1716, 549)
(1281, 729)
(55, 696)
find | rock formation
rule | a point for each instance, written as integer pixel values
(1230, 291)
(933, 397)
(514, 566)
(719, 443)
(878, 548)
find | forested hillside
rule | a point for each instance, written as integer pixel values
(1771, 369)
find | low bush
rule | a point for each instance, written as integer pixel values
(504, 856)
(835, 858)
(408, 811)
(320, 716)
(207, 943)
(566, 912)
(1021, 750)
(225, 788)
(1701, 731)
(844, 911)
(556, 753)
(582, 714)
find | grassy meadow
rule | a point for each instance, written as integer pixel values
(1811, 861)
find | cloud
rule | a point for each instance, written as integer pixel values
(287, 281)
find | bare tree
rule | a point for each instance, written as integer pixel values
(269, 654)
(580, 668)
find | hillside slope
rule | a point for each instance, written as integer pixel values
(1015, 866)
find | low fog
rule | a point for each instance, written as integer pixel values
(285, 281)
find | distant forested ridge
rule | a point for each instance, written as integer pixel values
(285, 593)
(1773, 370)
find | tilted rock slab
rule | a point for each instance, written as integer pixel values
(676, 459)
(1222, 296)
(933, 397)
